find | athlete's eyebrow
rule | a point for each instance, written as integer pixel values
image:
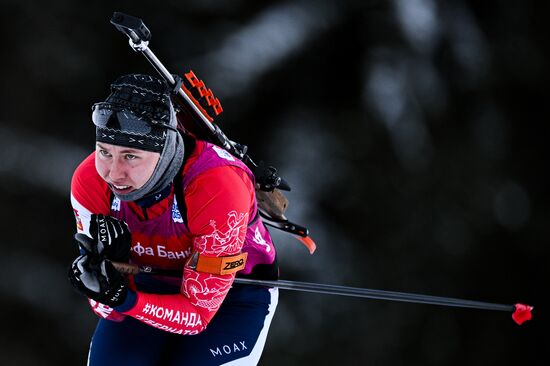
(125, 151)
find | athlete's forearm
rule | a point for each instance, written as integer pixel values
(188, 312)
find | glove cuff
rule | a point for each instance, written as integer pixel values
(129, 302)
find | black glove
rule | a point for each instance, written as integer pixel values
(111, 238)
(98, 280)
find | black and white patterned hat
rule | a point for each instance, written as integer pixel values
(136, 114)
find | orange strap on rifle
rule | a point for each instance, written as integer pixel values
(202, 96)
(217, 265)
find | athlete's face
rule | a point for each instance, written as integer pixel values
(123, 168)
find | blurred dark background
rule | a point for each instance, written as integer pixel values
(414, 134)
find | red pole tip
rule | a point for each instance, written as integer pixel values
(522, 313)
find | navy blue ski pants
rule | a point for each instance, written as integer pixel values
(236, 333)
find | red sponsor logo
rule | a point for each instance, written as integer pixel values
(79, 225)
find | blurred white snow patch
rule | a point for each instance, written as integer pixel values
(312, 165)
(385, 92)
(419, 21)
(39, 160)
(388, 92)
(261, 45)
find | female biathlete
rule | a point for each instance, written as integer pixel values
(153, 196)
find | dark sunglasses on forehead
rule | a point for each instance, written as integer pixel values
(107, 115)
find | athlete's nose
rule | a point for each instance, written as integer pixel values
(117, 171)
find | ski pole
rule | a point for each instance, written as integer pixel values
(520, 312)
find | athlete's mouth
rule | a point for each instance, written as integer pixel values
(120, 189)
